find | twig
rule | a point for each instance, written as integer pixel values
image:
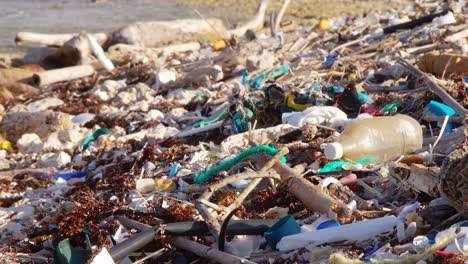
(203, 201)
(427, 48)
(283, 9)
(382, 88)
(241, 176)
(206, 21)
(350, 43)
(138, 156)
(272, 24)
(255, 182)
(255, 23)
(459, 35)
(156, 253)
(456, 119)
(211, 221)
(446, 66)
(313, 197)
(210, 204)
(41, 171)
(434, 87)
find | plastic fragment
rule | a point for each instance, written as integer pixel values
(286, 226)
(6, 145)
(96, 134)
(165, 185)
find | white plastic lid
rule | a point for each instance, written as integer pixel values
(333, 151)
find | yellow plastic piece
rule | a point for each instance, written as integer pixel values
(219, 45)
(6, 145)
(298, 107)
(165, 185)
(324, 24)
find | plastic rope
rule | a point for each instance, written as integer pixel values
(94, 136)
(209, 122)
(240, 120)
(228, 164)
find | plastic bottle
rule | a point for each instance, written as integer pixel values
(382, 138)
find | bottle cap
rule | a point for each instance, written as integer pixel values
(333, 151)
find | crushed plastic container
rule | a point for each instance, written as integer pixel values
(383, 138)
(314, 115)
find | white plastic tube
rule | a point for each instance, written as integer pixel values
(99, 52)
(362, 230)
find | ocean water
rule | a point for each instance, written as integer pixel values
(68, 16)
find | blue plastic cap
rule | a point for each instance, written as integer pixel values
(440, 109)
(328, 224)
(286, 226)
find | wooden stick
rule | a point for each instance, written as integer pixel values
(283, 9)
(186, 244)
(427, 48)
(210, 220)
(255, 23)
(312, 196)
(350, 43)
(455, 119)
(459, 35)
(64, 74)
(382, 88)
(210, 204)
(52, 39)
(255, 182)
(435, 88)
(241, 176)
(208, 252)
(40, 171)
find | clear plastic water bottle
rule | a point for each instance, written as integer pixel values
(382, 138)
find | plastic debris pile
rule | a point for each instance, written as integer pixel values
(335, 141)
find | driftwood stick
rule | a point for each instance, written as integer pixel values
(313, 197)
(52, 39)
(427, 48)
(435, 88)
(382, 88)
(208, 252)
(64, 74)
(255, 23)
(272, 24)
(255, 182)
(455, 119)
(210, 204)
(283, 9)
(122, 51)
(241, 176)
(459, 35)
(350, 43)
(40, 171)
(210, 220)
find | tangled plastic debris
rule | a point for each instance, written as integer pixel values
(294, 144)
